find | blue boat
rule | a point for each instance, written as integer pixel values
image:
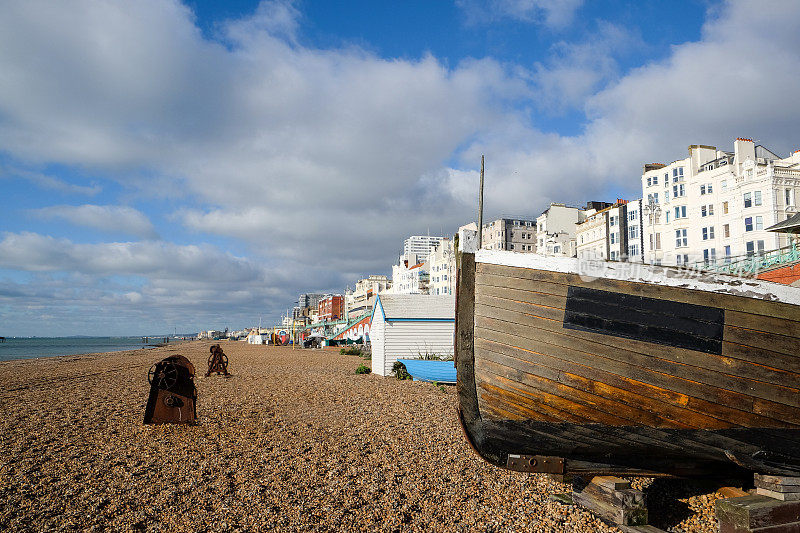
(438, 371)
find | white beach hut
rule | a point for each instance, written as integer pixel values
(408, 326)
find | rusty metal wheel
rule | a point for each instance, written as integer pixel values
(165, 378)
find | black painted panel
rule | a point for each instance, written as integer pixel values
(696, 327)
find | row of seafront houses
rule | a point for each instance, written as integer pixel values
(711, 210)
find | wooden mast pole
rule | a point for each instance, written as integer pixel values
(480, 209)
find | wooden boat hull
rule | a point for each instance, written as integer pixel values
(676, 374)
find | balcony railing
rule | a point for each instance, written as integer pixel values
(751, 265)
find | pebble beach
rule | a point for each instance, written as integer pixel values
(294, 440)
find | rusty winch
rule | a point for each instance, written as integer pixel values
(217, 361)
(172, 392)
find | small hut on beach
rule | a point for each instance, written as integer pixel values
(410, 326)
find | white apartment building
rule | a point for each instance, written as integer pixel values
(360, 300)
(442, 264)
(555, 230)
(410, 279)
(613, 233)
(420, 245)
(515, 234)
(715, 205)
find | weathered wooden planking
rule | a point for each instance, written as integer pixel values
(550, 380)
(766, 324)
(671, 406)
(593, 408)
(533, 328)
(680, 325)
(760, 370)
(767, 365)
(756, 306)
(734, 342)
(726, 400)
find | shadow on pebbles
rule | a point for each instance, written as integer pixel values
(294, 440)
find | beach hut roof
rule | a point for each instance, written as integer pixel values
(790, 225)
(417, 306)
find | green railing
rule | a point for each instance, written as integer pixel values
(751, 265)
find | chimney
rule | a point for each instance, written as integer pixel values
(743, 149)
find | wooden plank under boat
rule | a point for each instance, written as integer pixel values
(629, 369)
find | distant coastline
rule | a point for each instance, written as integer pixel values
(35, 347)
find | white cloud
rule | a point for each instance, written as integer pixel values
(50, 183)
(552, 13)
(737, 80)
(105, 218)
(33, 252)
(576, 70)
(322, 161)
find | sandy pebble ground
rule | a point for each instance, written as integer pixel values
(293, 441)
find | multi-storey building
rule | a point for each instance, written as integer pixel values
(410, 279)
(515, 234)
(331, 307)
(310, 299)
(420, 245)
(442, 265)
(360, 300)
(613, 233)
(715, 205)
(556, 227)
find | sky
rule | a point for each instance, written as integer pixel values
(177, 166)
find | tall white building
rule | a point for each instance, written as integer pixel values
(420, 245)
(442, 266)
(613, 233)
(714, 205)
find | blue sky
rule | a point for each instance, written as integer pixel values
(169, 165)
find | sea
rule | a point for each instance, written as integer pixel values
(31, 347)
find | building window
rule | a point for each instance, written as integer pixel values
(612, 221)
(633, 232)
(788, 195)
(725, 207)
(682, 259)
(727, 254)
(658, 241)
(726, 230)
(655, 180)
(677, 174)
(633, 250)
(706, 188)
(760, 246)
(710, 256)
(667, 217)
(750, 248)
(680, 211)
(748, 199)
(708, 233)
(757, 198)
(681, 240)
(759, 223)
(649, 181)
(678, 190)
(613, 237)
(632, 215)
(748, 224)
